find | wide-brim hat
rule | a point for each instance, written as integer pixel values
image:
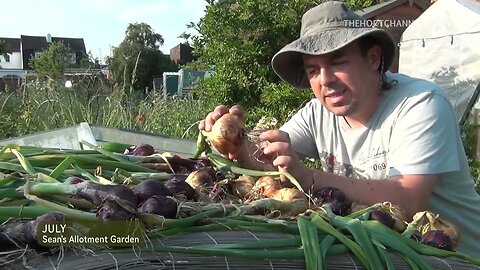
(327, 28)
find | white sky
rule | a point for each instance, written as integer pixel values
(101, 23)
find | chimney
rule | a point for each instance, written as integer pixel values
(49, 38)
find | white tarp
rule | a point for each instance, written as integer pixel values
(443, 45)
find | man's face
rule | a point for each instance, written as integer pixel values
(345, 81)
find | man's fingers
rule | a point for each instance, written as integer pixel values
(201, 125)
(220, 110)
(275, 135)
(238, 111)
(277, 149)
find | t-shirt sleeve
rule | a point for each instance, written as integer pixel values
(300, 128)
(424, 138)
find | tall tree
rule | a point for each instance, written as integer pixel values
(138, 59)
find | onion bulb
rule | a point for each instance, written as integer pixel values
(428, 221)
(294, 197)
(227, 134)
(200, 179)
(266, 185)
(438, 239)
(243, 185)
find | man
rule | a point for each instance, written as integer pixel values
(380, 136)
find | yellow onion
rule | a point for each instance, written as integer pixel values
(294, 197)
(243, 185)
(199, 180)
(227, 134)
(266, 185)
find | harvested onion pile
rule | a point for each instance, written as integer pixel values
(170, 195)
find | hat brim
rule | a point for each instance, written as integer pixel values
(288, 63)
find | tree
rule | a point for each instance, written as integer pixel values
(3, 48)
(237, 39)
(138, 59)
(51, 63)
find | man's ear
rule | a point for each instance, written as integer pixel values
(374, 57)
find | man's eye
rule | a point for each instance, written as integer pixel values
(311, 71)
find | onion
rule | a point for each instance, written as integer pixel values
(140, 150)
(31, 227)
(242, 186)
(180, 188)
(160, 205)
(428, 221)
(266, 185)
(149, 188)
(333, 196)
(113, 208)
(383, 217)
(200, 179)
(329, 194)
(227, 134)
(438, 239)
(96, 193)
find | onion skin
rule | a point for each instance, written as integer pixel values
(227, 134)
(96, 193)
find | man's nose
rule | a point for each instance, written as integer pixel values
(326, 76)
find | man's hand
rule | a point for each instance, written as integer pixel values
(207, 123)
(278, 148)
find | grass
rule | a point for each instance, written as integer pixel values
(41, 106)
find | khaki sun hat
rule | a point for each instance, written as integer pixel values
(327, 28)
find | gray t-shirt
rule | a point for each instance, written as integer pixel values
(414, 131)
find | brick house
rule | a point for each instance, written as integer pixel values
(394, 16)
(182, 54)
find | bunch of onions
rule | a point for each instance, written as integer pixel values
(227, 134)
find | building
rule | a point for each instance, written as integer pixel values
(182, 54)
(15, 64)
(394, 16)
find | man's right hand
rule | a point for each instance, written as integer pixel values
(207, 123)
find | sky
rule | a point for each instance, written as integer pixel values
(101, 23)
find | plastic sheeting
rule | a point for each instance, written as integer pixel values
(443, 46)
